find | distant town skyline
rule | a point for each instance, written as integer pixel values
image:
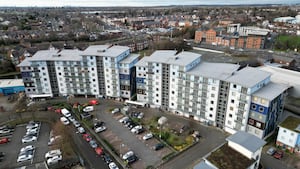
(105, 3)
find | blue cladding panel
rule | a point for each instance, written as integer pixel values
(259, 108)
(25, 74)
(124, 77)
(140, 80)
(12, 90)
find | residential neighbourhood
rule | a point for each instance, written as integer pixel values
(191, 86)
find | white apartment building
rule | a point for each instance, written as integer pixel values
(94, 71)
(242, 85)
(215, 93)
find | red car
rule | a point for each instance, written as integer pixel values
(99, 151)
(4, 140)
(87, 137)
(93, 102)
(278, 154)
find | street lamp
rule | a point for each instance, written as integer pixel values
(121, 145)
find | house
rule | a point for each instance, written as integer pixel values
(242, 151)
(289, 134)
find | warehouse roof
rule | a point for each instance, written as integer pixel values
(11, 83)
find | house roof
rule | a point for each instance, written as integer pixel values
(249, 77)
(246, 140)
(291, 123)
(105, 50)
(228, 158)
(219, 71)
(57, 55)
(271, 91)
(130, 58)
(203, 165)
(11, 82)
(142, 62)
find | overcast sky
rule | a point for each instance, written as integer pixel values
(40, 3)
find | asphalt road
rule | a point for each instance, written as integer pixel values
(270, 162)
(92, 161)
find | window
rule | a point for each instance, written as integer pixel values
(105, 58)
(212, 95)
(231, 108)
(156, 89)
(59, 73)
(263, 101)
(156, 101)
(261, 109)
(211, 109)
(157, 64)
(108, 86)
(92, 68)
(229, 122)
(253, 106)
(284, 131)
(156, 95)
(255, 98)
(230, 115)
(173, 73)
(213, 88)
(258, 124)
(234, 86)
(251, 121)
(43, 68)
(172, 104)
(232, 101)
(45, 79)
(211, 102)
(91, 57)
(173, 92)
(94, 80)
(292, 134)
(157, 71)
(210, 115)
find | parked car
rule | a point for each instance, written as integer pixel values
(93, 144)
(25, 157)
(127, 155)
(107, 158)
(94, 102)
(32, 124)
(131, 159)
(140, 130)
(88, 109)
(76, 123)
(6, 131)
(53, 139)
(271, 151)
(100, 129)
(52, 153)
(65, 112)
(98, 124)
(158, 146)
(27, 148)
(147, 136)
(123, 119)
(71, 118)
(64, 120)
(136, 128)
(2, 156)
(278, 154)
(32, 130)
(4, 140)
(141, 115)
(86, 116)
(54, 160)
(99, 151)
(29, 138)
(87, 137)
(81, 130)
(116, 110)
(113, 165)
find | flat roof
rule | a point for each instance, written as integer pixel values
(11, 82)
(248, 77)
(271, 90)
(142, 62)
(228, 158)
(219, 71)
(169, 57)
(129, 59)
(25, 62)
(291, 123)
(105, 50)
(57, 55)
(246, 140)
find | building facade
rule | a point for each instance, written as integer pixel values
(94, 71)
(214, 93)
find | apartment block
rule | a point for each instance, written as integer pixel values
(94, 71)
(217, 94)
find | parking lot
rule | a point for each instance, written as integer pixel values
(12, 148)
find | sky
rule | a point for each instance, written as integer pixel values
(105, 3)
